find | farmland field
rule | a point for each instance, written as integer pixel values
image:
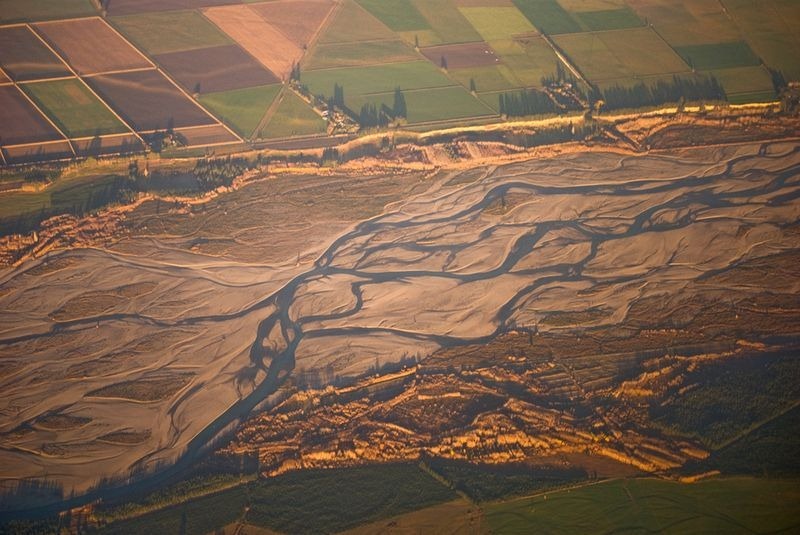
(447, 24)
(529, 59)
(20, 122)
(497, 22)
(37, 153)
(610, 19)
(78, 42)
(489, 78)
(548, 16)
(206, 135)
(298, 20)
(376, 79)
(74, 108)
(327, 56)
(746, 84)
(211, 70)
(621, 54)
(108, 145)
(24, 57)
(688, 22)
(719, 55)
(353, 23)
(242, 109)
(127, 7)
(264, 42)
(160, 33)
(293, 117)
(462, 55)
(148, 101)
(27, 10)
(440, 104)
(398, 15)
(647, 505)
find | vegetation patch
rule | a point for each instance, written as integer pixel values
(425, 105)
(719, 55)
(497, 22)
(548, 16)
(76, 111)
(175, 31)
(293, 117)
(325, 56)
(26, 10)
(24, 57)
(399, 15)
(609, 19)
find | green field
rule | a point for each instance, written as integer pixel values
(32, 10)
(359, 54)
(688, 22)
(376, 79)
(293, 117)
(311, 501)
(740, 505)
(609, 19)
(76, 111)
(771, 27)
(447, 24)
(174, 31)
(353, 23)
(718, 55)
(746, 84)
(622, 54)
(529, 62)
(440, 104)
(497, 22)
(242, 109)
(488, 78)
(548, 16)
(399, 15)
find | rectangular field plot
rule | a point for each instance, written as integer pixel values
(148, 101)
(358, 54)
(58, 150)
(20, 121)
(447, 24)
(746, 84)
(220, 68)
(352, 23)
(175, 31)
(497, 22)
(548, 16)
(621, 54)
(23, 56)
(206, 135)
(376, 79)
(463, 55)
(608, 19)
(772, 28)
(74, 108)
(90, 46)
(530, 59)
(31, 10)
(488, 78)
(719, 55)
(242, 109)
(298, 20)
(688, 22)
(128, 7)
(105, 145)
(263, 41)
(293, 117)
(428, 105)
(399, 15)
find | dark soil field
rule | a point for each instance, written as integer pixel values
(24, 57)
(462, 55)
(296, 19)
(3, 78)
(148, 101)
(129, 7)
(20, 122)
(98, 146)
(220, 68)
(79, 41)
(206, 135)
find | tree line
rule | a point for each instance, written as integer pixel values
(678, 89)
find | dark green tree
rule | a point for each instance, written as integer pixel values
(399, 107)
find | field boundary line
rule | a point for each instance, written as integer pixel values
(118, 71)
(52, 123)
(562, 56)
(102, 136)
(262, 124)
(3, 156)
(91, 90)
(51, 79)
(113, 29)
(35, 143)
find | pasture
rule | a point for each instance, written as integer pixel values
(497, 22)
(608, 19)
(398, 15)
(326, 56)
(24, 57)
(719, 55)
(27, 10)
(20, 122)
(293, 117)
(548, 16)
(148, 101)
(530, 59)
(424, 105)
(653, 505)
(78, 42)
(352, 23)
(488, 78)
(746, 84)
(127, 7)
(242, 109)
(447, 24)
(176, 31)
(621, 54)
(74, 108)
(211, 70)
(688, 22)
(462, 55)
